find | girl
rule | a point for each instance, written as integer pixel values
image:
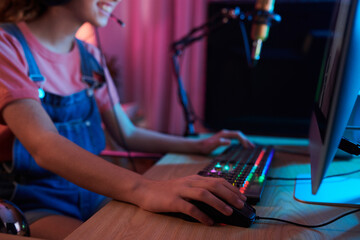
(52, 95)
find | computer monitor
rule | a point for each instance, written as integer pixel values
(338, 89)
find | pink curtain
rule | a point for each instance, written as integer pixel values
(141, 54)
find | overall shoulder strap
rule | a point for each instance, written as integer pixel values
(34, 72)
(89, 65)
(88, 62)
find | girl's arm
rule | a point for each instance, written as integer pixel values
(30, 123)
(140, 139)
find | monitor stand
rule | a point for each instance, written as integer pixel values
(336, 191)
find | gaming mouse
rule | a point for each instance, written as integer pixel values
(243, 217)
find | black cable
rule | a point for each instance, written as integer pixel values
(191, 106)
(308, 226)
(184, 98)
(119, 130)
(285, 179)
(343, 174)
(246, 43)
(331, 176)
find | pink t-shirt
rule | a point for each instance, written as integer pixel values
(62, 73)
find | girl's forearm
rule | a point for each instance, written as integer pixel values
(87, 170)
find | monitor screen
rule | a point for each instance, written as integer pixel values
(337, 90)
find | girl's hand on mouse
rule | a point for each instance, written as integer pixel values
(174, 195)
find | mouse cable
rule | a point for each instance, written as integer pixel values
(308, 226)
(330, 176)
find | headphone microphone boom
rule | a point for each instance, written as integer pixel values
(121, 23)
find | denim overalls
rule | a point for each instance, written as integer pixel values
(77, 118)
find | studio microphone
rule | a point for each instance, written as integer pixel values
(262, 17)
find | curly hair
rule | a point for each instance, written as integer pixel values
(20, 10)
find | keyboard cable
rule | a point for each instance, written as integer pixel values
(308, 226)
(304, 225)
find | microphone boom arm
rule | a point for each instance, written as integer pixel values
(220, 19)
(179, 46)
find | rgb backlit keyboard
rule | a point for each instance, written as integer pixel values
(244, 168)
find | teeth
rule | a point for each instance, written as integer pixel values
(106, 8)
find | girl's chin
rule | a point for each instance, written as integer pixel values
(100, 22)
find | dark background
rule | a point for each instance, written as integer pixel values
(275, 97)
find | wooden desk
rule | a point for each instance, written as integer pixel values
(119, 220)
(4, 236)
